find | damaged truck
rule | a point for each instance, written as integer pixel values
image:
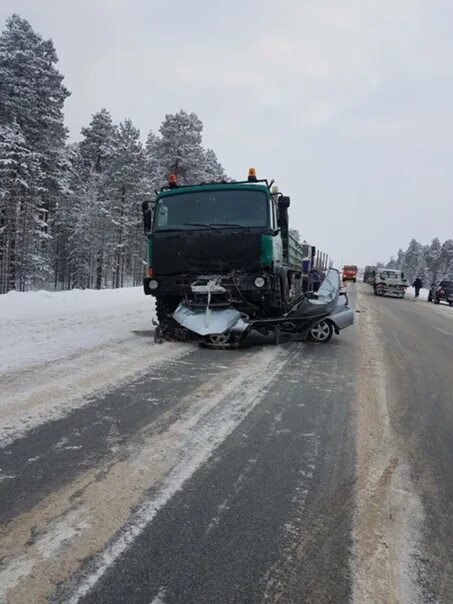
(221, 258)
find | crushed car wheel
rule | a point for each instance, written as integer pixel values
(221, 339)
(321, 332)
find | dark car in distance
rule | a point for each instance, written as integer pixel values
(441, 292)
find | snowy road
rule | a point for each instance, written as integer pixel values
(272, 474)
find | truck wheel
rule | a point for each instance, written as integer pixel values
(165, 306)
(321, 332)
(436, 300)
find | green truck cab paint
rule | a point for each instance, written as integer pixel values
(235, 232)
(267, 250)
(150, 252)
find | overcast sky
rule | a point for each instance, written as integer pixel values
(347, 104)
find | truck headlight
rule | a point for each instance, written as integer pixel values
(153, 284)
(260, 282)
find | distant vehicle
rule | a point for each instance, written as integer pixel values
(442, 291)
(390, 282)
(368, 274)
(350, 272)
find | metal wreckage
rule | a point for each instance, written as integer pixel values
(222, 263)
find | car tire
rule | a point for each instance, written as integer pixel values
(436, 301)
(321, 332)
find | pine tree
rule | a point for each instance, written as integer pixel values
(447, 259)
(433, 259)
(400, 259)
(392, 263)
(212, 168)
(32, 96)
(22, 228)
(413, 260)
(127, 190)
(179, 150)
(92, 202)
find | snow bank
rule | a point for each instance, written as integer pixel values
(410, 293)
(38, 327)
(43, 304)
(57, 349)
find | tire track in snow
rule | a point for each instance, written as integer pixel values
(388, 514)
(153, 473)
(50, 391)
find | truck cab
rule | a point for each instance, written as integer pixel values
(350, 272)
(390, 282)
(232, 233)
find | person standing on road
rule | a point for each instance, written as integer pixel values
(418, 284)
(316, 279)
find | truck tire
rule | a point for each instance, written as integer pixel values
(436, 300)
(165, 306)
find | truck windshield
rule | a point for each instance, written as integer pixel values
(206, 209)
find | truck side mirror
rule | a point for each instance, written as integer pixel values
(284, 202)
(283, 205)
(147, 217)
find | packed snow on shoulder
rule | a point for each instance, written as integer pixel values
(38, 327)
(410, 293)
(59, 348)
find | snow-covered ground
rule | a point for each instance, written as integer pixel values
(410, 293)
(56, 348)
(38, 327)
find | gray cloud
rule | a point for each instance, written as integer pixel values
(346, 104)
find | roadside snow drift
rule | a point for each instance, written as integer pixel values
(56, 348)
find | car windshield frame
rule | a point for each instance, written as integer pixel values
(221, 215)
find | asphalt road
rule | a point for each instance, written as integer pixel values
(418, 348)
(297, 473)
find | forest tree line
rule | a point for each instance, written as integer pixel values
(70, 213)
(431, 262)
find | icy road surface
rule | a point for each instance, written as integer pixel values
(132, 472)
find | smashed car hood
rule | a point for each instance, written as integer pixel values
(206, 321)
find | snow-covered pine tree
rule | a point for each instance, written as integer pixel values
(179, 149)
(413, 260)
(67, 215)
(400, 259)
(32, 95)
(213, 170)
(127, 191)
(447, 260)
(433, 259)
(22, 228)
(392, 263)
(92, 204)
(153, 167)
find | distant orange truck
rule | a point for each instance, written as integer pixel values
(350, 272)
